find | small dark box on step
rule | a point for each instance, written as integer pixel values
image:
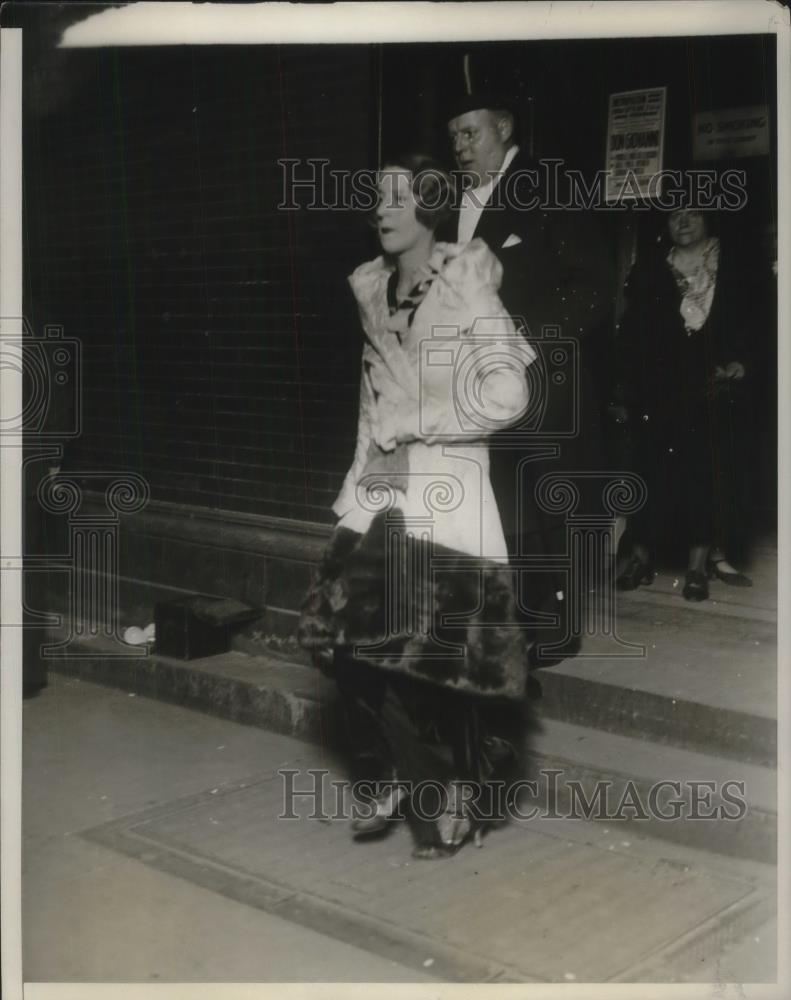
(193, 627)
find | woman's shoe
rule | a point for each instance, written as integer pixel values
(454, 824)
(696, 586)
(734, 579)
(430, 852)
(385, 807)
(633, 574)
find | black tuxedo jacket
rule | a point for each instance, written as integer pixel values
(557, 273)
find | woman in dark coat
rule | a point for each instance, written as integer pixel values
(682, 380)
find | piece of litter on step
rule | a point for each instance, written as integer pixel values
(133, 636)
(560, 596)
(675, 582)
(222, 747)
(569, 975)
(428, 962)
(757, 643)
(606, 829)
(102, 798)
(131, 694)
(213, 791)
(626, 843)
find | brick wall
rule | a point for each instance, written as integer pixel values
(220, 345)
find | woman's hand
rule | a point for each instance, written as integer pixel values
(734, 370)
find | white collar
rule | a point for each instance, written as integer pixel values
(493, 179)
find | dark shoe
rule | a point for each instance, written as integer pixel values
(633, 574)
(732, 579)
(696, 586)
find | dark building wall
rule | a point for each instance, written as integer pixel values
(220, 345)
(220, 350)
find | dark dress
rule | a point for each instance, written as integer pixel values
(689, 434)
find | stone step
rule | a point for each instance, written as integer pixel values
(680, 722)
(293, 698)
(698, 676)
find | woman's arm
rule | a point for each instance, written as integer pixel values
(345, 499)
(468, 385)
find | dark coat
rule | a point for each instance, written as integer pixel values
(559, 275)
(666, 373)
(558, 280)
(690, 435)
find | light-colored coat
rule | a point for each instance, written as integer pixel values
(441, 386)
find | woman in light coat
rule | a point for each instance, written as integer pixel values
(414, 598)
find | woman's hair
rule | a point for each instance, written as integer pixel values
(432, 187)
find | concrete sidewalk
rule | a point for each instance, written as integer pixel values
(698, 704)
(158, 824)
(153, 853)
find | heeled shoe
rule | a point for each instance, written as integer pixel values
(454, 824)
(734, 579)
(385, 807)
(431, 852)
(633, 574)
(696, 586)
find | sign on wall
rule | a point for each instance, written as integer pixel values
(635, 138)
(733, 132)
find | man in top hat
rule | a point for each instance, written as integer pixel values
(555, 278)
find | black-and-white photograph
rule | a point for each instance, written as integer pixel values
(390, 444)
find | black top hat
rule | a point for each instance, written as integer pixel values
(481, 100)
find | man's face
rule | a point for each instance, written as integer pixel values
(480, 141)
